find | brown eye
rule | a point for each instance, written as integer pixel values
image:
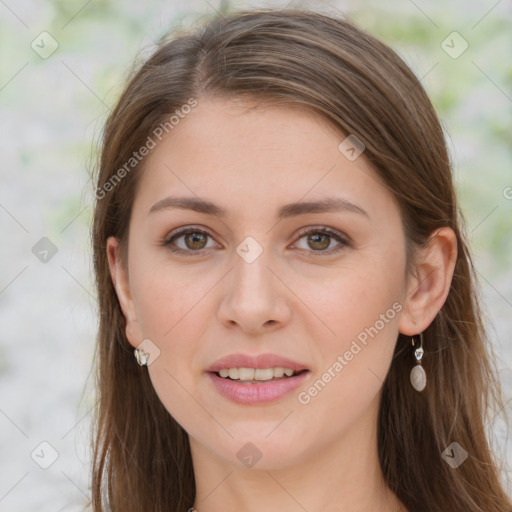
(319, 242)
(188, 241)
(195, 240)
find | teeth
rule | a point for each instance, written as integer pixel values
(246, 373)
(255, 373)
(278, 372)
(264, 374)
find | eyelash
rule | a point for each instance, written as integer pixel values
(343, 242)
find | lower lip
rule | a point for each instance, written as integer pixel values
(257, 393)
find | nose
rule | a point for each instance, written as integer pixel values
(254, 297)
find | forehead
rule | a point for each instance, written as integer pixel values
(234, 129)
(254, 155)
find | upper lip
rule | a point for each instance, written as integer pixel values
(255, 361)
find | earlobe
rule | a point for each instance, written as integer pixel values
(429, 287)
(121, 285)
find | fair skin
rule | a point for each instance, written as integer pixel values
(293, 300)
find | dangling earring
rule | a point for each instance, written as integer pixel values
(418, 375)
(141, 356)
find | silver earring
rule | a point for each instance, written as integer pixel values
(418, 375)
(141, 356)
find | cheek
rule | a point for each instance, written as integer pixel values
(357, 353)
(353, 362)
(355, 298)
(170, 378)
(361, 309)
(173, 374)
(170, 305)
(167, 297)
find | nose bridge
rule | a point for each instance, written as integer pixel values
(251, 274)
(253, 297)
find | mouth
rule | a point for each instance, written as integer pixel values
(253, 379)
(251, 386)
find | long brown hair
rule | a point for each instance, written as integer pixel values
(141, 459)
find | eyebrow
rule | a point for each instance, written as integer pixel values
(330, 204)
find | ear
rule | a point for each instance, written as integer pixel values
(428, 288)
(122, 286)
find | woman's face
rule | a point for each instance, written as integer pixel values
(248, 280)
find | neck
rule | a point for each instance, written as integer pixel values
(344, 477)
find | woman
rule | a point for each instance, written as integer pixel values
(289, 318)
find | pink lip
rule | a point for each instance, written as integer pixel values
(259, 361)
(254, 393)
(251, 393)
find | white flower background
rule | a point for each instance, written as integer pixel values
(52, 111)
